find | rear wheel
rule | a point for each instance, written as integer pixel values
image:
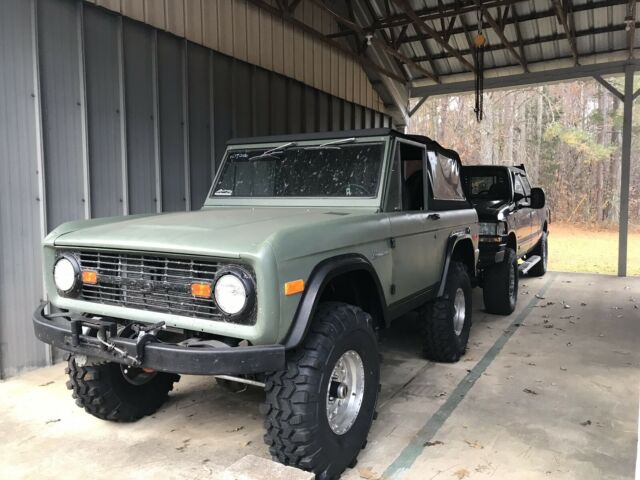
(448, 319)
(319, 409)
(115, 392)
(542, 250)
(500, 285)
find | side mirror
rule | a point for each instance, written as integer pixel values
(538, 198)
(517, 197)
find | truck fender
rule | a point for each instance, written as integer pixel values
(320, 277)
(452, 241)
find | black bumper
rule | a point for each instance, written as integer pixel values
(491, 253)
(57, 330)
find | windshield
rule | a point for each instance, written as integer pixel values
(486, 185)
(302, 171)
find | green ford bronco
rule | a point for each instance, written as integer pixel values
(306, 246)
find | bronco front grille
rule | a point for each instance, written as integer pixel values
(151, 282)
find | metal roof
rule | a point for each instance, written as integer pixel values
(431, 42)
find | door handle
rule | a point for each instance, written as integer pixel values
(433, 216)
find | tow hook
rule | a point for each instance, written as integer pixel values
(146, 335)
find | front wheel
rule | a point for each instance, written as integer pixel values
(448, 319)
(500, 289)
(115, 392)
(319, 409)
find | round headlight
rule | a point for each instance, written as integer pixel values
(66, 274)
(231, 294)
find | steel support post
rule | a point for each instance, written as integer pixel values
(625, 173)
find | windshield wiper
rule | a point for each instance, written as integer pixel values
(332, 144)
(270, 153)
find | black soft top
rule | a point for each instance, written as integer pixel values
(368, 132)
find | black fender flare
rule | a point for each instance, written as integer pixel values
(452, 242)
(320, 277)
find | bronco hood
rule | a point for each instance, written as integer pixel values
(224, 231)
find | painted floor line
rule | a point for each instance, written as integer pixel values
(412, 451)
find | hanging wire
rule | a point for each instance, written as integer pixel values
(479, 43)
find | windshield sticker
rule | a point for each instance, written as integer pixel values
(223, 192)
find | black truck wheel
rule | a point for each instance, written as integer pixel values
(319, 409)
(118, 393)
(448, 319)
(500, 285)
(542, 249)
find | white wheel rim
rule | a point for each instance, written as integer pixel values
(345, 392)
(459, 310)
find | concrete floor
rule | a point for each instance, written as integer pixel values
(548, 392)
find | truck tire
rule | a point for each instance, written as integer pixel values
(106, 392)
(448, 319)
(319, 409)
(542, 249)
(500, 285)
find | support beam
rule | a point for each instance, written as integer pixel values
(522, 79)
(625, 171)
(631, 19)
(424, 28)
(561, 13)
(374, 40)
(609, 87)
(417, 106)
(362, 61)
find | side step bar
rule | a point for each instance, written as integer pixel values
(524, 267)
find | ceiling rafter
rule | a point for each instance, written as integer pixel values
(500, 32)
(563, 11)
(384, 45)
(423, 27)
(631, 33)
(534, 41)
(516, 26)
(361, 60)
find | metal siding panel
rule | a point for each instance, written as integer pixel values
(327, 25)
(336, 113)
(210, 24)
(193, 15)
(199, 128)
(241, 91)
(20, 219)
(278, 45)
(154, 13)
(225, 26)
(318, 47)
(61, 111)
(367, 118)
(253, 34)
(110, 4)
(175, 17)
(289, 49)
(357, 117)
(139, 101)
(298, 48)
(170, 78)
(348, 94)
(223, 103)
(134, 9)
(347, 109)
(322, 111)
(295, 107)
(266, 40)
(278, 104)
(103, 112)
(309, 109)
(307, 14)
(335, 82)
(240, 30)
(260, 107)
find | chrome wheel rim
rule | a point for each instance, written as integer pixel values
(345, 392)
(459, 309)
(545, 251)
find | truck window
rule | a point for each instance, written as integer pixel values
(406, 183)
(445, 178)
(492, 185)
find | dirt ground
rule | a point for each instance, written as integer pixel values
(581, 248)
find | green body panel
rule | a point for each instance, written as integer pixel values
(281, 241)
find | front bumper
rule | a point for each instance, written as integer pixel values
(61, 331)
(491, 253)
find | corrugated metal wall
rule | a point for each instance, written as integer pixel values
(132, 120)
(246, 32)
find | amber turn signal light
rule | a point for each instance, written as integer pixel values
(201, 290)
(296, 286)
(89, 277)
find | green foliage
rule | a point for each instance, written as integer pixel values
(578, 141)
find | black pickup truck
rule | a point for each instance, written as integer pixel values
(514, 226)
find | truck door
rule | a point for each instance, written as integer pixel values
(523, 216)
(413, 228)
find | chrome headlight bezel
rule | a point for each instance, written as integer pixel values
(492, 228)
(76, 273)
(245, 280)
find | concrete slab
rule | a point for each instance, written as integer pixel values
(548, 392)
